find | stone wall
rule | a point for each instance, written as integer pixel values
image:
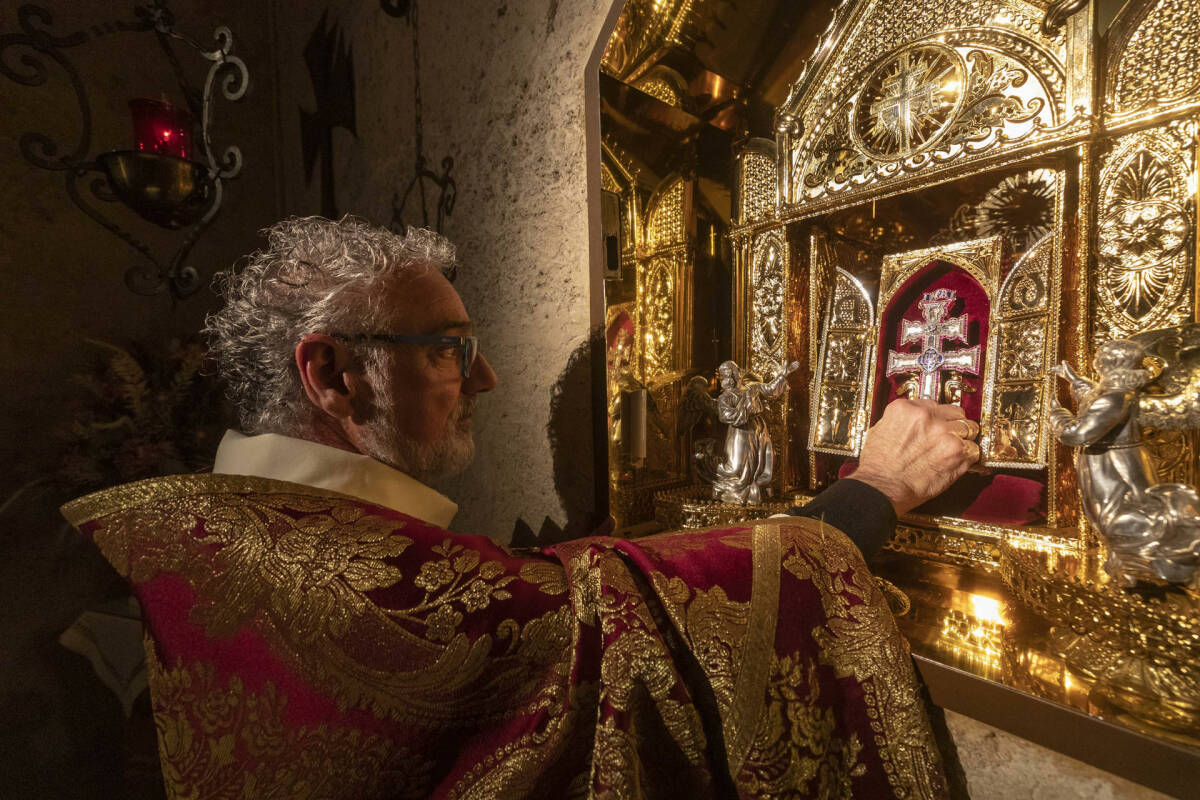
(502, 94)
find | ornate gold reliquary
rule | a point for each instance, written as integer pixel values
(957, 195)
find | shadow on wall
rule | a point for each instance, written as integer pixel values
(575, 439)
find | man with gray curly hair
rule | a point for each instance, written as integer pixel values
(316, 631)
(351, 362)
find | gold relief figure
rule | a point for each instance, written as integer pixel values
(911, 388)
(952, 391)
(768, 281)
(837, 410)
(1015, 426)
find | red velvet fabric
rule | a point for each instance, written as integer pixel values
(306, 644)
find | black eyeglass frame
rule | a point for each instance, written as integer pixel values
(467, 345)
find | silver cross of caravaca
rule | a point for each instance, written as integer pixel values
(932, 360)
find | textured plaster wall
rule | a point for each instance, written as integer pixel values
(502, 90)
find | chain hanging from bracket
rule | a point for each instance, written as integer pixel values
(423, 175)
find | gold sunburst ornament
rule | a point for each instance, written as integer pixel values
(908, 102)
(1142, 232)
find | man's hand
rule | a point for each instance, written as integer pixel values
(916, 450)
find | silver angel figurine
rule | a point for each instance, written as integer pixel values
(1152, 529)
(743, 472)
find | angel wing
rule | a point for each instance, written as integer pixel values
(1172, 400)
(696, 404)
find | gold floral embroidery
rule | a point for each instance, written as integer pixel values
(457, 577)
(796, 752)
(549, 578)
(216, 741)
(297, 565)
(860, 640)
(300, 564)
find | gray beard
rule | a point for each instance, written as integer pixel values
(425, 461)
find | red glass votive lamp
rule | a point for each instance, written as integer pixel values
(159, 127)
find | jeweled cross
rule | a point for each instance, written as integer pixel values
(931, 332)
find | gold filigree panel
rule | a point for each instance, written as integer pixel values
(1155, 67)
(980, 258)
(1022, 346)
(758, 186)
(768, 293)
(927, 106)
(664, 282)
(656, 316)
(666, 222)
(878, 27)
(931, 101)
(1146, 224)
(839, 419)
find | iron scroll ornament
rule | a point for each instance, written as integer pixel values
(25, 58)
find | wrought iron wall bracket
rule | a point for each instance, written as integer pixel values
(26, 58)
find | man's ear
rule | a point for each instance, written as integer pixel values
(323, 362)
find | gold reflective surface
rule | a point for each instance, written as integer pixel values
(777, 181)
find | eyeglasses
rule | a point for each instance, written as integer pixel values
(467, 345)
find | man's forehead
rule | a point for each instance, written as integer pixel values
(426, 303)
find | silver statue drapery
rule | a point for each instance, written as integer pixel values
(743, 472)
(1152, 529)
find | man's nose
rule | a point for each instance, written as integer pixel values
(483, 377)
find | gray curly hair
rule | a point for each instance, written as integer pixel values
(316, 275)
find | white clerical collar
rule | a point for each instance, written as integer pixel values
(284, 458)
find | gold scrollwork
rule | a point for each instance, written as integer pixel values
(839, 421)
(768, 277)
(928, 104)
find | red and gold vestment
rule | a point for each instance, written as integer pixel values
(306, 644)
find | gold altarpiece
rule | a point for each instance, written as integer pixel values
(1038, 162)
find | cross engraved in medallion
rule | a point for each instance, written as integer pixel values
(909, 98)
(931, 332)
(908, 101)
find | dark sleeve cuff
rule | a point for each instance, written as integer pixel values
(860, 511)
